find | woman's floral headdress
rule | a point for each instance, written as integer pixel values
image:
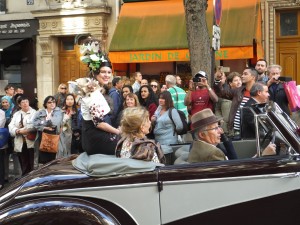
(92, 54)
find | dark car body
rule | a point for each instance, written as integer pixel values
(262, 190)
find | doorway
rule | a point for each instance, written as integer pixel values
(70, 66)
(288, 42)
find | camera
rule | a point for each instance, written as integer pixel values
(199, 76)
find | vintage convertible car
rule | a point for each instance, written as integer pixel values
(107, 190)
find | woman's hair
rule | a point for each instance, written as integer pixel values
(65, 103)
(231, 76)
(20, 98)
(158, 86)
(51, 98)
(151, 98)
(61, 85)
(132, 120)
(129, 87)
(166, 95)
(132, 95)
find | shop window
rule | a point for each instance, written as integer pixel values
(289, 23)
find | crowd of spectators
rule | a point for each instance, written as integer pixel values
(113, 116)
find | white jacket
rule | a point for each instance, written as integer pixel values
(14, 125)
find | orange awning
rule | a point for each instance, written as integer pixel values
(155, 35)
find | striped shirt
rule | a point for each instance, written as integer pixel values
(178, 96)
(237, 118)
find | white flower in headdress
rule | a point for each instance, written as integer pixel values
(103, 59)
(94, 58)
(85, 59)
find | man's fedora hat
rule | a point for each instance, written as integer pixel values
(203, 118)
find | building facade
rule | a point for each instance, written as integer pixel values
(60, 26)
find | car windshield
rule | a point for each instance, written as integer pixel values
(273, 125)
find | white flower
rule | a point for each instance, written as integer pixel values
(82, 58)
(94, 58)
(102, 59)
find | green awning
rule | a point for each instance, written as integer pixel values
(160, 25)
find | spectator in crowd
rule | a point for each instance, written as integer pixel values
(261, 67)
(19, 90)
(7, 106)
(144, 82)
(126, 90)
(60, 96)
(20, 128)
(137, 83)
(222, 107)
(135, 125)
(3, 150)
(259, 94)
(98, 135)
(163, 126)
(9, 92)
(69, 114)
(239, 97)
(207, 135)
(178, 81)
(131, 100)
(116, 95)
(202, 96)
(155, 87)
(49, 120)
(177, 93)
(276, 90)
(147, 99)
(163, 88)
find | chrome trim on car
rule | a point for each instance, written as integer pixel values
(55, 192)
(270, 176)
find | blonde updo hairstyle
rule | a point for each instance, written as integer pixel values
(132, 120)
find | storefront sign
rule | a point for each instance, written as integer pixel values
(18, 29)
(177, 55)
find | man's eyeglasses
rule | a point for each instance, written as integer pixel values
(152, 85)
(214, 128)
(63, 88)
(50, 102)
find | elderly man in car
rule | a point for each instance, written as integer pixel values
(207, 135)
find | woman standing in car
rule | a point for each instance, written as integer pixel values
(98, 136)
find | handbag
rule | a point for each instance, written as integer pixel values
(49, 143)
(292, 95)
(4, 135)
(32, 134)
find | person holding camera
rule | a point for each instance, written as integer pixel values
(276, 89)
(201, 95)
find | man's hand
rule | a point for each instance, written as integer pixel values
(269, 150)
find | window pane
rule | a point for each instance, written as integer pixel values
(68, 45)
(288, 24)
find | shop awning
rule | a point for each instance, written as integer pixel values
(155, 31)
(8, 42)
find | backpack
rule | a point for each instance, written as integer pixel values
(182, 116)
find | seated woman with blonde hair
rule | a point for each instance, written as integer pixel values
(135, 124)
